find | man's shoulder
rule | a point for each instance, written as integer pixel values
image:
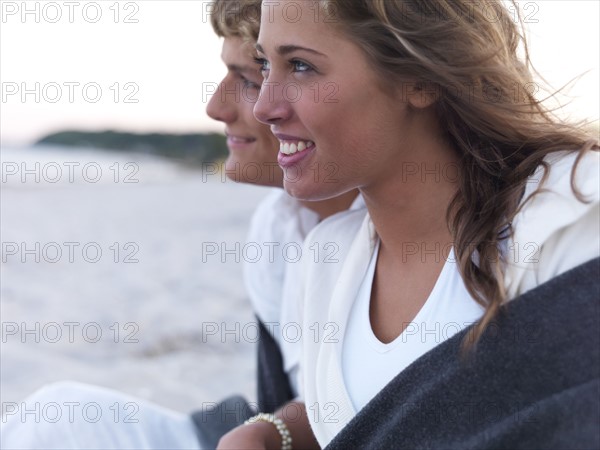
(271, 214)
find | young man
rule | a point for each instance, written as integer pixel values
(280, 222)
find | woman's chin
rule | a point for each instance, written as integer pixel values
(310, 192)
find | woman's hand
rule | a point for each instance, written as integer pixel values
(264, 435)
(258, 435)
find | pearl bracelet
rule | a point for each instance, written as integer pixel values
(286, 439)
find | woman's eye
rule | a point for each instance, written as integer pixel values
(300, 66)
(297, 66)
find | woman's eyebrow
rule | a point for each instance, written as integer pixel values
(286, 49)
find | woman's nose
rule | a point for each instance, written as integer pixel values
(272, 106)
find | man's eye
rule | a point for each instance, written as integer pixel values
(250, 84)
(263, 64)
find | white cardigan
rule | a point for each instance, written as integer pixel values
(280, 222)
(553, 232)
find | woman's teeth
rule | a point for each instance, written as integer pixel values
(290, 148)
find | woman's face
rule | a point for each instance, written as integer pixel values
(252, 147)
(324, 101)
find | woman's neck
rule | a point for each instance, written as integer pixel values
(409, 211)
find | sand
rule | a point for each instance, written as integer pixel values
(106, 280)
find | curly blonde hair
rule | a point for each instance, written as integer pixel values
(236, 18)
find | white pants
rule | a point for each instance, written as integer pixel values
(71, 415)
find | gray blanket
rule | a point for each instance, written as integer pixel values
(533, 382)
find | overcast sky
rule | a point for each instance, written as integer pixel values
(85, 64)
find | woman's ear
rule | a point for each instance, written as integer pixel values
(420, 94)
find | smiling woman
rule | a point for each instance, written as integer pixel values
(428, 88)
(317, 61)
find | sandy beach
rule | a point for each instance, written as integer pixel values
(106, 277)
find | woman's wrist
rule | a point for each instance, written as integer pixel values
(266, 432)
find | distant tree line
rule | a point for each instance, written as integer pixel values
(188, 148)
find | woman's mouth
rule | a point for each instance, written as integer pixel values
(290, 148)
(291, 152)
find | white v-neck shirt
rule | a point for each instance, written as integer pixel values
(562, 231)
(369, 364)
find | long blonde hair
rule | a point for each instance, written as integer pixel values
(467, 54)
